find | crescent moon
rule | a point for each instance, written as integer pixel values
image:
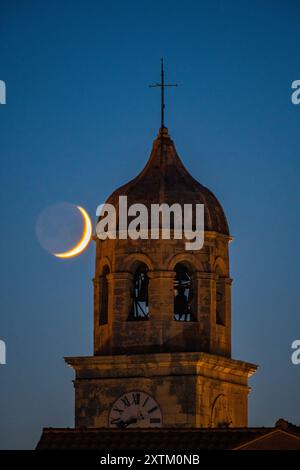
(84, 241)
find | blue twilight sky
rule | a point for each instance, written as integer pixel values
(80, 120)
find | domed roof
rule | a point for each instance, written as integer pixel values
(165, 179)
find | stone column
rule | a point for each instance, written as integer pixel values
(205, 304)
(96, 313)
(161, 295)
(119, 300)
(228, 283)
(161, 306)
(96, 301)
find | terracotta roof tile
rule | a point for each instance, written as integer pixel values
(151, 439)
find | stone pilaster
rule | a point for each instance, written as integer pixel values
(119, 296)
(161, 295)
(205, 287)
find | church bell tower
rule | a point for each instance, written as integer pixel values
(162, 318)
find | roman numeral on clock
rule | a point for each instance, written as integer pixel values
(118, 410)
(145, 401)
(126, 401)
(152, 409)
(136, 398)
(154, 420)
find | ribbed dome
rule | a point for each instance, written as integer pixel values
(165, 179)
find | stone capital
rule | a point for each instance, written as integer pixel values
(161, 274)
(197, 275)
(121, 276)
(226, 280)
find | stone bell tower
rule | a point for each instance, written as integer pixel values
(162, 318)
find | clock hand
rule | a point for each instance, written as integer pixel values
(124, 424)
(121, 424)
(130, 421)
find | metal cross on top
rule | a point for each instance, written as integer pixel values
(162, 85)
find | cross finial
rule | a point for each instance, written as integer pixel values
(162, 86)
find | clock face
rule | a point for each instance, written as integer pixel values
(135, 409)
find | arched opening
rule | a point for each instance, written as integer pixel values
(139, 294)
(220, 302)
(183, 294)
(103, 315)
(220, 295)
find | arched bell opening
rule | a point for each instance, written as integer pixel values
(139, 310)
(184, 309)
(103, 314)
